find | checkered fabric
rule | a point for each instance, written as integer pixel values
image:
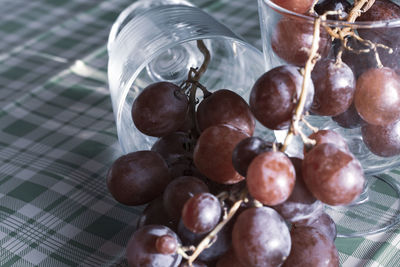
(58, 137)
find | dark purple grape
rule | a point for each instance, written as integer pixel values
(160, 109)
(334, 86)
(218, 248)
(311, 248)
(273, 94)
(229, 259)
(246, 150)
(329, 136)
(333, 5)
(383, 141)
(174, 146)
(333, 175)
(270, 178)
(358, 62)
(225, 107)
(201, 213)
(301, 204)
(178, 192)
(166, 244)
(142, 252)
(322, 222)
(291, 40)
(155, 213)
(138, 177)
(349, 119)
(213, 153)
(377, 97)
(260, 238)
(298, 6)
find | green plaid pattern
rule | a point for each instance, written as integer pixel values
(58, 137)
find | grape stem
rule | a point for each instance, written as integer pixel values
(311, 61)
(211, 237)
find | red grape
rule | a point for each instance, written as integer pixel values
(377, 97)
(141, 250)
(349, 119)
(155, 213)
(246, 150)
(271, 177)
(291, 40)
(333, 175)
(329, 136)
(166, 244)
(297, 6)
(311, 248)
(178, 192)
(159, 109)
(383, 141)
(138, 177)
(260, 238)
(273, 94)
(229, 259)
(323, 223)
(213, 153)
(225, 107)
(334, 86)
(201, 213)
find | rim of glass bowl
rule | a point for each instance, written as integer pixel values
(336, 23)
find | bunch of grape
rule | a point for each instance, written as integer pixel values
(218, 196)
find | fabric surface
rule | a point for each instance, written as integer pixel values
(58, 137)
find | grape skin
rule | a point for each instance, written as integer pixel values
(383, 141)
(349, 119)
(229, 259)
(260, 238)
(329, 136)
(295, 5)
(272, 95)
(178, 192)
(213, 153)
(155, 213)
(138, 177)
(270, 178)
(311, 248)
(334, 86)
(141, 250)
(201, 213)
(225, 107)
(332, 175)
(377, 97)
(159, 109)
(322, 222)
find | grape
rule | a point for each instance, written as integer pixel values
(272, 95)
(213, 153)
(323, 223)
(334, 86)
(246, 150)
(178, 192)
(225, 107)
(138, 177)
(196, 263)
(377, 97)
(201, 213)
(349, 119)
(311, 248)
(229, 259)
(333, 5)
(218, 248)
(159, 109)
(358, 62)
(260, 238)
(301, 204)
(155, 213)
(381, 10)
(174, 146)
(329, 136)
(383, 141)
(332, 175)
(271, 177)
(141, 250)
(297, 6)
(291, 40)
(166, 244)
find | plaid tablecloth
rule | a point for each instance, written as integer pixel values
(58, 137)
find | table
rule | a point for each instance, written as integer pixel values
(58, 137)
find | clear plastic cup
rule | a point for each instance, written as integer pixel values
(154, 41)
